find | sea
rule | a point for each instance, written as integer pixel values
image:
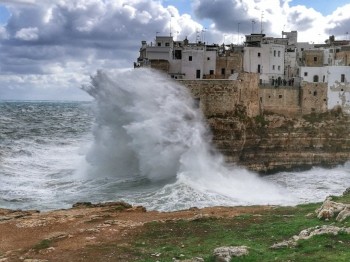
(140, 140)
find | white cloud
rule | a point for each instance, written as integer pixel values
(27, 34)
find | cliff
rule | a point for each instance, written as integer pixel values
(269, 143)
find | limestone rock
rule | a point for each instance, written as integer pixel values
(310, 232)
(225, 254)
(345, 213)
(329, 209)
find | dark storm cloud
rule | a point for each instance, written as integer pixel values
(226, 14)
(75, 31)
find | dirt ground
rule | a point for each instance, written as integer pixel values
(69, 235)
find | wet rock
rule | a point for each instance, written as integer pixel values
(347, 191)
(120, 204)
(225, 254)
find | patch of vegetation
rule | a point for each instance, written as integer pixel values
(184, 239)
(43, 244)
(261, 121)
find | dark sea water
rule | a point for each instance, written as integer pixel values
(145, 147)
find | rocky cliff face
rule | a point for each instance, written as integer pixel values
(270, 143)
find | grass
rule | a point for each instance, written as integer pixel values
(187, 239)
(43, 244)
(182, 239)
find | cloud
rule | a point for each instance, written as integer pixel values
(43, 39)
(27, 34)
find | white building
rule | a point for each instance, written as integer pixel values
(264, 57)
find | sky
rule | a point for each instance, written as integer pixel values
(49, 49)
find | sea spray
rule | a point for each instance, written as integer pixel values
(147, 126)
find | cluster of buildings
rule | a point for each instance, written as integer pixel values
(289, 72)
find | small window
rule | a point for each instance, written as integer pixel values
(342, 78)
(315, 93)
(274, 52)
(279, 53)
(259, 54)
(305, 73)
(273, 67)
(280, 96)
(232, 71)
(159, 44)
(190, 58)
(223, 71)
(167, 44)
(315, 78)
(211, 72)
(302, 49)
(279, 68)
(208, 58)
(315, 58)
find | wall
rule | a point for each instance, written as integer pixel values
(280, 100)
(338, 92)
(309, 57)
(307, 73)
(222, 97)
(231, 61)
(314, 97)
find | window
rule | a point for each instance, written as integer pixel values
(259, 68)
(315, 78)
(315, 58)
(159, 44)
(279, 53)
(342, 78)
(273, 67)
(279, 68)
(280, 96)
(223, 71)
(315, 93)
(211, 72)
(302, 49)
(259, 54)
(305, 73)
(198, 74)
(232, 71)
(208, 58)
(167, 44)
(190, 58)
(274, 52)
(324, 78)
(178, 54)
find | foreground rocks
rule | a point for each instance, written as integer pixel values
(225, 254)
(310, 232)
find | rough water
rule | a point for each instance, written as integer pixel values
(141, 141)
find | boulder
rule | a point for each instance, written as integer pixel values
(329, 209)
(344, 214)
(225, 254)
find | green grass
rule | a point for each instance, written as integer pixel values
(43, 244)
(187, 239)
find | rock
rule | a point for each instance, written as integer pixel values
(195, 259)
(56, 235)
(6, 259)
(329, 209)
(225, 254)
(347, 191)
(344, 214)
(310, 232)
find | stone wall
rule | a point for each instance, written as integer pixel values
(280, 100)
(230, 62)
(313, 58)
(314, 97)
(223, 97)
(159, 64)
